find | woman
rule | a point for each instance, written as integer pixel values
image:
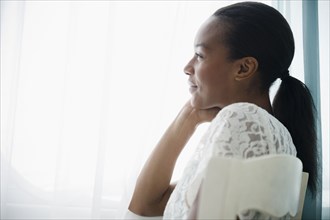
(239, 52)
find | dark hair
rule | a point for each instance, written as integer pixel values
(258, 30)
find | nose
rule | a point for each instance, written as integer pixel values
(189, 69)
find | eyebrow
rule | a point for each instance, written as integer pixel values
(202, 45)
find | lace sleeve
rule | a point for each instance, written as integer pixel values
(246, 131)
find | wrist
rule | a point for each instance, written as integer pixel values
(188, 118)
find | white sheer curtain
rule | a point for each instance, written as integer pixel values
(87, 89)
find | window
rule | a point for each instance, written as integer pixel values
(87, 89)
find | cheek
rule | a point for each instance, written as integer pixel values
(206, 74)
(210, 78)
(216, 86)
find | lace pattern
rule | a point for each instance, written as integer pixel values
(240, 130)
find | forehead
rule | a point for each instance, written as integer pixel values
(210, 33)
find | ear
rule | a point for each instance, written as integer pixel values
(247, 67)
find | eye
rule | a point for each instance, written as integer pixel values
(199, 56)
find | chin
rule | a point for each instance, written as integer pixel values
(199, 104)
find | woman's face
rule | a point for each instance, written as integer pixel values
(210, 72)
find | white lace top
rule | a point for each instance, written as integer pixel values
(240, 130)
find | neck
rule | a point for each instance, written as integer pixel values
(263, 101)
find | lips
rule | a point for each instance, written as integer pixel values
(192, 86)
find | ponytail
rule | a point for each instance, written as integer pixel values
(293, 106)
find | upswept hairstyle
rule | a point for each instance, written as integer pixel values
(258, 30)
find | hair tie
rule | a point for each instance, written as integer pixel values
(285, 74)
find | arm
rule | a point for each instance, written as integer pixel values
(153, 187)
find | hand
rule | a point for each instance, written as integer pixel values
(198, 116)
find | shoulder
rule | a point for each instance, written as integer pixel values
(244, 116)
(236, 119)
(245, 129)
(241, 112)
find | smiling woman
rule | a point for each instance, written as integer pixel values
(87, 89)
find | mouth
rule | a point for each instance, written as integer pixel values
(192, 86)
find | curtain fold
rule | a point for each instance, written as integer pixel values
(12, 34)
(313, 206)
